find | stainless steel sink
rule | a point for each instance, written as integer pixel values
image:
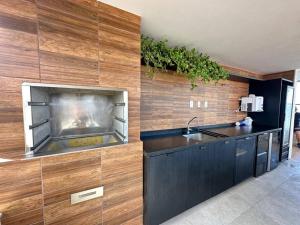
(200, 137)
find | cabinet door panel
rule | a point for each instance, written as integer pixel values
(223, 166)
(275, 149)
(245, 153)
(262, 154)
(166, 186)
(200, 174)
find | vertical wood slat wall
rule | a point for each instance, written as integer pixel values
(81, 42)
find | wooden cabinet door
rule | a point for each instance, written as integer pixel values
(67, 174)
(166, 186)
(199, 174)
(223, 166)
(245, 153)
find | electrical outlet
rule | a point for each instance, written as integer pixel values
(206, 104)
(199, 104)
(191, 104)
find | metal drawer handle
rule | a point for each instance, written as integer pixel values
(227, 142)
(241, 152)
(247, 138)
(260, 154)
(86, 195)
(202, 148)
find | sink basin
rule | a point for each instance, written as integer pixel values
(200, 137)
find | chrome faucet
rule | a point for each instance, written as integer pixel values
(188, 125)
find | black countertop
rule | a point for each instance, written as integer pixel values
(237, 131)
(160, 142)
(162, 145)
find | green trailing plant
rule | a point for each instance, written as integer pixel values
(158, 55)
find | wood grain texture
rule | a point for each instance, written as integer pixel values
(286, 74)
(68, 38)
(69, 42)
(242, 72)
(67, 174)
(165, 102)
(18, 63)
(11, 115)
(21, 193)
(18, 39)
(122, 176)
(119, 58)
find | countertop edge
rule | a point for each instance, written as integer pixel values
(179, 148)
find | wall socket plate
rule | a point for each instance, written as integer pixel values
(199, 104)
(206, 104)
(191, 104)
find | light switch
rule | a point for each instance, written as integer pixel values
(191, 104)
(206, 104)
(199, 104)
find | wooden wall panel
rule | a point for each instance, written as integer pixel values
(68, 42)
(18, 39)
(122, 176)
(242, 72)
(11, 116)
(21, 193)
(165, 102)
(119, 58)
(67, 174)
(286, 74)
(18, 63)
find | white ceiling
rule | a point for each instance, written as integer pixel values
(262, 36)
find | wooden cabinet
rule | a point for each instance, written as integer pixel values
(64, 175)
(21, 198)
(245, 154)
(122, 178)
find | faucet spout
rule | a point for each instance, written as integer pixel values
(188, 124)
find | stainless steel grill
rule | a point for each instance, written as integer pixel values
(60, 118)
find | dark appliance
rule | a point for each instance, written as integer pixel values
(267, 152)
(278, 101)
(244, 158)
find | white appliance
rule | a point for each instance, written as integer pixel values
(252, 103)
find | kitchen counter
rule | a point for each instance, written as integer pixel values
(162, 145)
(236, 131)
(159, 142)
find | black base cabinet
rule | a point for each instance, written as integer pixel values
(223, 166)
(262, 151)
(177, 181)
(165, 187)
(245, 158)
